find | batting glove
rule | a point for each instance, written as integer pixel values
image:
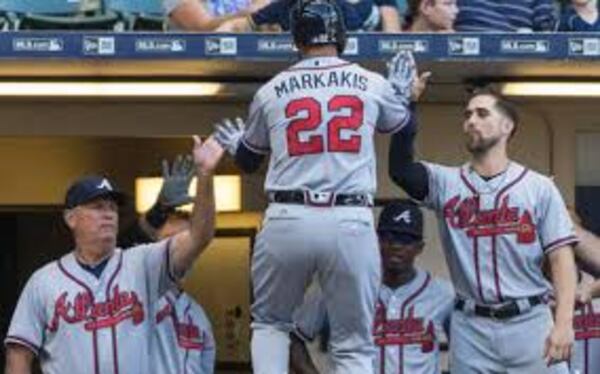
(402, 71)
(229, 134)
(176, 182)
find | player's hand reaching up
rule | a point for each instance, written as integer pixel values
(176, 181)
(229, 134)
(207, 155)
(401, 73)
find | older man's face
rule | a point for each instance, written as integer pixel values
(96, 221)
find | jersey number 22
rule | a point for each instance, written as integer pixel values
(315, 143)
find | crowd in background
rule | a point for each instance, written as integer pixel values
(273, 15)
(393, 15)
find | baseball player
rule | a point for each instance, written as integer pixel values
(586, 323)
(183, 335)
(317, 120)
(498, 220)
(184, 338)
(91, 311)
(413, 308)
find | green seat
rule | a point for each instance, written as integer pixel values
(57, 15)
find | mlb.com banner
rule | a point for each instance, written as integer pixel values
(360, 46)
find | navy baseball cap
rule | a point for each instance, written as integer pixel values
(89, 188)
(402, 220)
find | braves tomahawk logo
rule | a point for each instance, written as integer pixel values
(405, 331)
(119, 307)
(465, 214)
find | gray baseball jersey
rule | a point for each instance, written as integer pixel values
(586, 353)
(77, 323)
(496, 232)
(409, 324)
(318, 119)
(183, 337)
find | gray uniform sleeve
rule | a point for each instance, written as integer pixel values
(555, 227)
(28, 324)
(256, 136)
(157, 268)
(310, 317)
(437, 177)
(393, 108)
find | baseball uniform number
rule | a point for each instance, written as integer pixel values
(312, 120)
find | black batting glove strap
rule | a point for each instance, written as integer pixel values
(158, 215)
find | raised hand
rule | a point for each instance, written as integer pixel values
(401, 73)
(229, 134)
(176, 181)
(207, 155)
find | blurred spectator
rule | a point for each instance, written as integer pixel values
(431, 15)
(505, 15)
(206, 15)
(359, 15)
(580, 15)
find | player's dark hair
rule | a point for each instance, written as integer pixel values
(505, 106)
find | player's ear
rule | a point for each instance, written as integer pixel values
(507, 126)
(69, 217)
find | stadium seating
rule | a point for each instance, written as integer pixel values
(56, 15)
(139, 14)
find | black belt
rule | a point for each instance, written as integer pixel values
(505, 311)
(318, 198)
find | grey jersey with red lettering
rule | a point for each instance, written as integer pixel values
(496, 232)
(586, 351)
(78, 323)
(410, 322)
(318, 119)
(183, 337)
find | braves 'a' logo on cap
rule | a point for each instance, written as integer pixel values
(104, 185)
(404, 216)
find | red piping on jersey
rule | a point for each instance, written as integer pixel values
(477, 273)
(14, 339)
(168, 261)
(320, 67)
(92, 298)
(475, 239)
(402, 311)
(467, 182)
(115, 349)
(113, 328)
(494, 238)
(566, 240)
(187, 350)
(495, 266)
